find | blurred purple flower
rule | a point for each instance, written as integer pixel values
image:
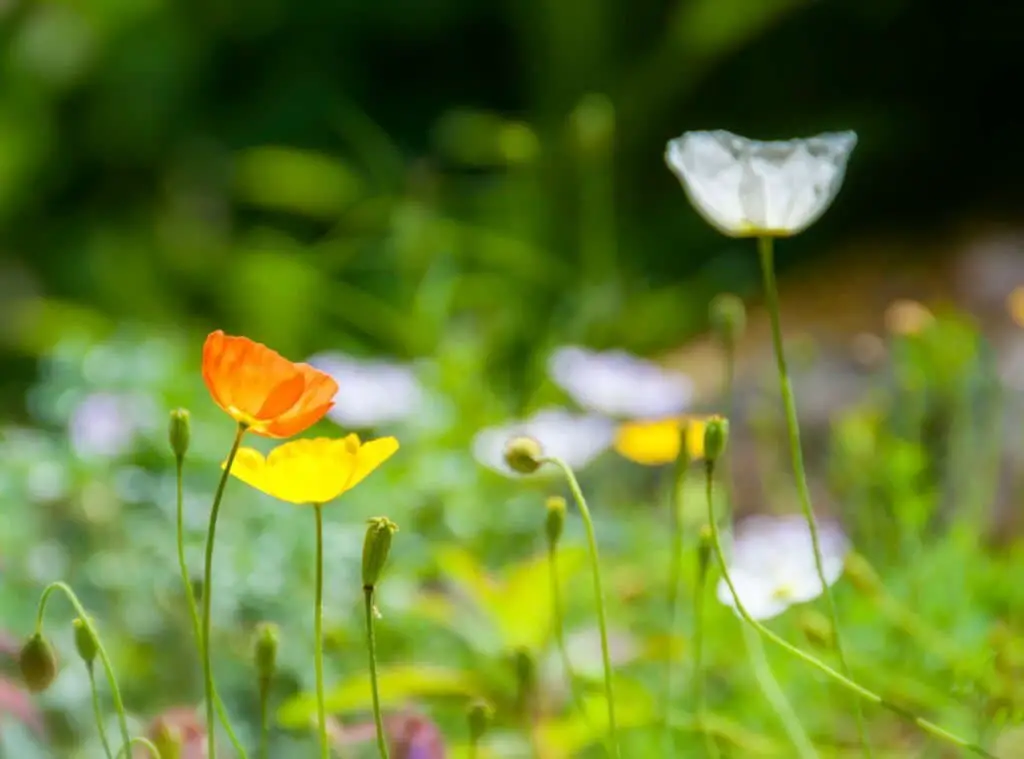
(105, 425)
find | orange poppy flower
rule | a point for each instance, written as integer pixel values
(261, 389)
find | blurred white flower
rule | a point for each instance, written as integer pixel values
(371, 392)
(577, 439)
(619, 384)
(750, 188)
(105, 425)
(773, 567)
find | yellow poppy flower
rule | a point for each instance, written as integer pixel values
(655, 443)
(312, 471)
(1015, 305)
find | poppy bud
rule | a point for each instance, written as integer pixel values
(555, 520)
(180, 432)
(479, 716)
(168, 739)
(264, 654)
(85, 641)
(728, 318)
(716, 436)
(862, 575)
(38, 663)
(376, 548)
(526, 673)
(523, 455)
(816, 629)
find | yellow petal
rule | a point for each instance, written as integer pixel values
(371, 455)
(656, 443)
(250, 467)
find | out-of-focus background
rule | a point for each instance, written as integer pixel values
(430, 198)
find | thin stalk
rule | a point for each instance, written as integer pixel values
(371, 647)
(698, 662)
(563, 649)
(108, 668)
(775, 696)
(602, 623)
(190, 598)
(675, 575)
(318, 633)
(98, 713)
(766, 251)
(264, 724)
(867, 695)
(211, 534)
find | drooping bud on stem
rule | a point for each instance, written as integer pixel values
(523, 455)
(180, 432)
(716, 438)
(264, 653)
(376, 547)
(555, 522)
(479, 716)
(728, 318)
(85, 641)
(38, 663)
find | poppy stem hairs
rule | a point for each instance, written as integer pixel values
(94, 636)
(180, 435)
(211, 534)
(700, 700)
(715, 440)
(766, 250)
(595, 564)
(376, 547)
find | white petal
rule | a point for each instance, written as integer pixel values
(371, 392)
(616, 383)
(577, 439)
(747, 187)
(758, 596)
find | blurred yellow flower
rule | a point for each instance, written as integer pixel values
(1015, 305)
(312, 471)
(907, 317)
(653, 443)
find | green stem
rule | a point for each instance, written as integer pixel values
(698, 662)
(264, 724)
(211, 534)
(98, 713)
(602, 623)
(318, 634)
(140, 741)
(870, 696)
(190, 598)
(775, 696)
(766, 251)
(675, 573)
(371, 647)
(563, 650)
(115, 692)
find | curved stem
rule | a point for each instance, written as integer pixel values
(766, 251)
(852, 686)
(563, 649)
(115, 692)
(98, 713)
(602, 623)
(211, 534)
(318, 633)
(264, 724)
(775, 696)
(698, 662)
(371, 647)
(140, 741)
(190, 598)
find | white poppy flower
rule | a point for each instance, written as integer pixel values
(751, 188)
(773, 566)
(577, 439)
(371, 392)
(619, 384)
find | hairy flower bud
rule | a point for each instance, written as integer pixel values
(555, 521)
(38, 663)
(180, 432)
(376, 547)
(264, 652)
(85, 641)
(523, 455)
(716, 437)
